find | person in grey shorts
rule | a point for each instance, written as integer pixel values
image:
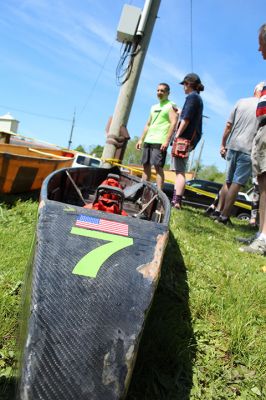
(236, 145)
(258, 244)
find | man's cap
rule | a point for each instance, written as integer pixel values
(191, 78)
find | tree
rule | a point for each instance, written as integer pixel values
(96, 150)
(211, 173)
(132, 155)
(80, 149)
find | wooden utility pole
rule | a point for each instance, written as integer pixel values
(128, 89)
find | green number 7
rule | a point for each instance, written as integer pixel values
(90, 264)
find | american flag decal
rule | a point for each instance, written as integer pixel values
(104, 225)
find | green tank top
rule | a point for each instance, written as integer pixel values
(160, 122)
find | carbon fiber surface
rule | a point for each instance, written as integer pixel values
(83, 332)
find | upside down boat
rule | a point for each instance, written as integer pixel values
(24, 168)
(90, 286)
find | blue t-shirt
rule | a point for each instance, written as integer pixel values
(192, 110)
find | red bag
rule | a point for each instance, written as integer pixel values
(181, 147)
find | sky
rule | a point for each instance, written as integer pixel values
(60, 57)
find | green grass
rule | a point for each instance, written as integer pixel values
(205, 336)
(205, 333)
(17, 222)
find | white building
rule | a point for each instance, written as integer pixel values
(8, 123)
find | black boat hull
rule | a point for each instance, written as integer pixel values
(90, 293)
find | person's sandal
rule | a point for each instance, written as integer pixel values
(173, 201)
(177, 202)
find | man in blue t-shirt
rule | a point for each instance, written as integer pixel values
(192, 113)
(190, 127)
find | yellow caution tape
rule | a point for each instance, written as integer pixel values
(192, 189)
(213, 195)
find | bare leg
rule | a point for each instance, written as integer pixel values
(159, 177)
(230, 199)
(180, 182)
(258, 246)
(262, 207)
(146, 176)
(222, 196)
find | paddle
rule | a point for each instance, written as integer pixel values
(49, 154)
(75, 186)
(145, 207)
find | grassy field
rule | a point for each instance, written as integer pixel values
(17, 225)
(205, 333)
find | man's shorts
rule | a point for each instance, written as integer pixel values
(239, 167)
(178, 164)
(153, 155)
(258, 154)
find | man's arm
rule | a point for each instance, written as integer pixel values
(183, 125)
(227, 130)
(188, 112)
(173, 117)
(144, 133)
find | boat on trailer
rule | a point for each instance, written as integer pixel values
(90, 285)
(23, 168)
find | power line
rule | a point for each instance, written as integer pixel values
(74, 121)
(36, 114)
(86, 103)
(97, 79)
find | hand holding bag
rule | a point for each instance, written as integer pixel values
(181, 147)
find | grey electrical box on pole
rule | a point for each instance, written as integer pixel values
(128, 89)
(128, 23)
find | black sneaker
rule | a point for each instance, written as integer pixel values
(223, 220)
(210, 210)
(215, 215)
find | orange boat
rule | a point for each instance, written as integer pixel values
(23, 168)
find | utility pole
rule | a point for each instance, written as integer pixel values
(199, 157)
(71, 132)
(128, 89)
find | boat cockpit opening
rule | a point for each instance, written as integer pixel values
(90, 188)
